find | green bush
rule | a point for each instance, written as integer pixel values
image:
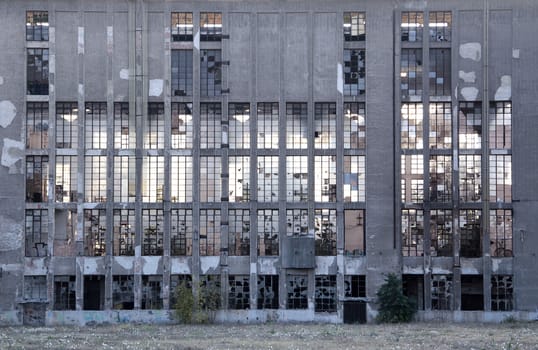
(394, 306)
(199, 306)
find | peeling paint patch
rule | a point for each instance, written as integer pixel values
(1, 80)
(469, 93)
(155, 87)
(469, 77)
(124, 74)
(253, 267)
(504, 92)
(80, 40)
(472, 51)
(515, 53)
(7, 113)
(12, 152)
(12, 235)
(340, 78)
(81, 90)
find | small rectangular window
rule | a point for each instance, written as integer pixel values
(124, 129)
(37, 125)
(64, 293)
(412, 26)
(268, 125)
(36, 232)
(182, 72)
(412, 178)
(37, 72)
(182, 26)
(210, 125)
(181, 229)
(325, 231)
(470, 225)
(440, 72)
(354, 125)
(296, 126)
(500, 232)
(325, 293)
(95, 179)
(502, 293)
(411, 74)
(239, 292)
(267, 291)
(95, 125)
(354, 240)
(182, 126)
(210, 73)
(152, 292)
(210, 26)
(440, 26)
(239, 121)
(37, 174)
(355, 286)
(66, 125)
(209, 232)
(268, 232)
(325, 126)
(296, 222)
(442, 292)
(412, 232)
(354, 26)
(239, 232)
(354, 72)
(124, 232)
(94, 232)
(35, 288)
(152, 232)
(297, 291)
(123, 292)
(37, 26)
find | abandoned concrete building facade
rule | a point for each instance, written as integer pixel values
(289, 153)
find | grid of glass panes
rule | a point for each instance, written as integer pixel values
(268, 232)
(239, 232)
(502, 293)
(154, 132)
(267, 178)
(440, 178)
(36, 232)
(325, 178)
(354, 178)
(412, 135)
(501, 232)
(500, 178)
(181, 229)
(66, 125)
(470, 225)
(182, 126)
(412, 26)
(152, 232)
(354, 125)
(440, 26)
(95, 168)
(297, 178)
(239, 184)
(239, 125)
(37, 26)
(210, 179)
(412, 178)
(210, 125)
(124, 232)
(209, 232)
(181, 26)
(124, 129)
(325, 231)
(470, 125)
(238, 292)
(354, 72)
(95, 125)
(412, 232)
(440, 119)
(354, 26)
(210, 73)
(267, 123)
(411, 74)
(182, 72)
(442, 293)
(354, 239)
(325, 125)
(181, 179)
(65, 186)
(441, 232)
(210, 26)
(37, 173)
(440, 72)
(37, 125)
(500, 125)
(37, 71)
(152, 178)
(124, 178)
(296, 126)
(470, 181)
(297, 222)
(325, 293)
(94, 232)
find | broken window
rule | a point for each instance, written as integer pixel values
(441, 232)
(210, 125)
(325, 231)
(502, 293)
(154, 132)
(354, 72)
(123, 292)
(181, 179)
(470, 222)
(440, 119)
(500, 125)
(470, 125)
(500, 178)
(37, 174)
(297, 178)
(95, 122)
(94, 232)
(412, 26)
(210, 26)
(354, 26)
(210, 179)
(354, 178)
(210, 73)
(182, 26)
(66, 125)
(267, 292)
(152, 179)
(354, 125)
(175, 282)
(35, 288)
(267, 178)
(124, 179)
(37, 125)
(64, 293)
(181, 232)
(354, 241)
(124, 128)
(124, 232)
(472, 293)
(182, 126)
(268, 232)
(65, 228)
(440, 178)
(297, 291)
(267, 122)
(94, 292)
(37, 72)
(239, 232)
(412, 133)
(239, 184)
(152, 228)
(500, 232)
(152, 292)
(325, 293)
(36, 232)
(413, 288)
(412, 232)
(95, 178)
(239, 119)
(442, 292)
(296, 222)
(325, 126)
(470, 183)
(411, 74)
(440, 26)
(355, 286)
(182, 72)
(66, 179)
(325, 178)
(209, 232)
(440, 73)
(37, 26)
(238, 292)
(296, 126)
(412, 180)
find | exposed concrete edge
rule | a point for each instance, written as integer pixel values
(475, 316)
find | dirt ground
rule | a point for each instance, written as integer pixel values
(438, 336)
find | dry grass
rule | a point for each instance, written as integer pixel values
(436, 336)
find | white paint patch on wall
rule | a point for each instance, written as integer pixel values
(515, 53)
(1, 80)
(7, 113)
(81, 89)
(196, 41)
(504, 92)
(208, 262)
(12, 235)
(467, 77)
(156, 87)
(469, 93)
(12, 152)
(472, 51)
(124, 74)
(80, 40)
(340, 78)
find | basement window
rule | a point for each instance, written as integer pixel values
(355, 286)
(35, 288)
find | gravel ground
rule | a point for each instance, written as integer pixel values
(436, 336)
